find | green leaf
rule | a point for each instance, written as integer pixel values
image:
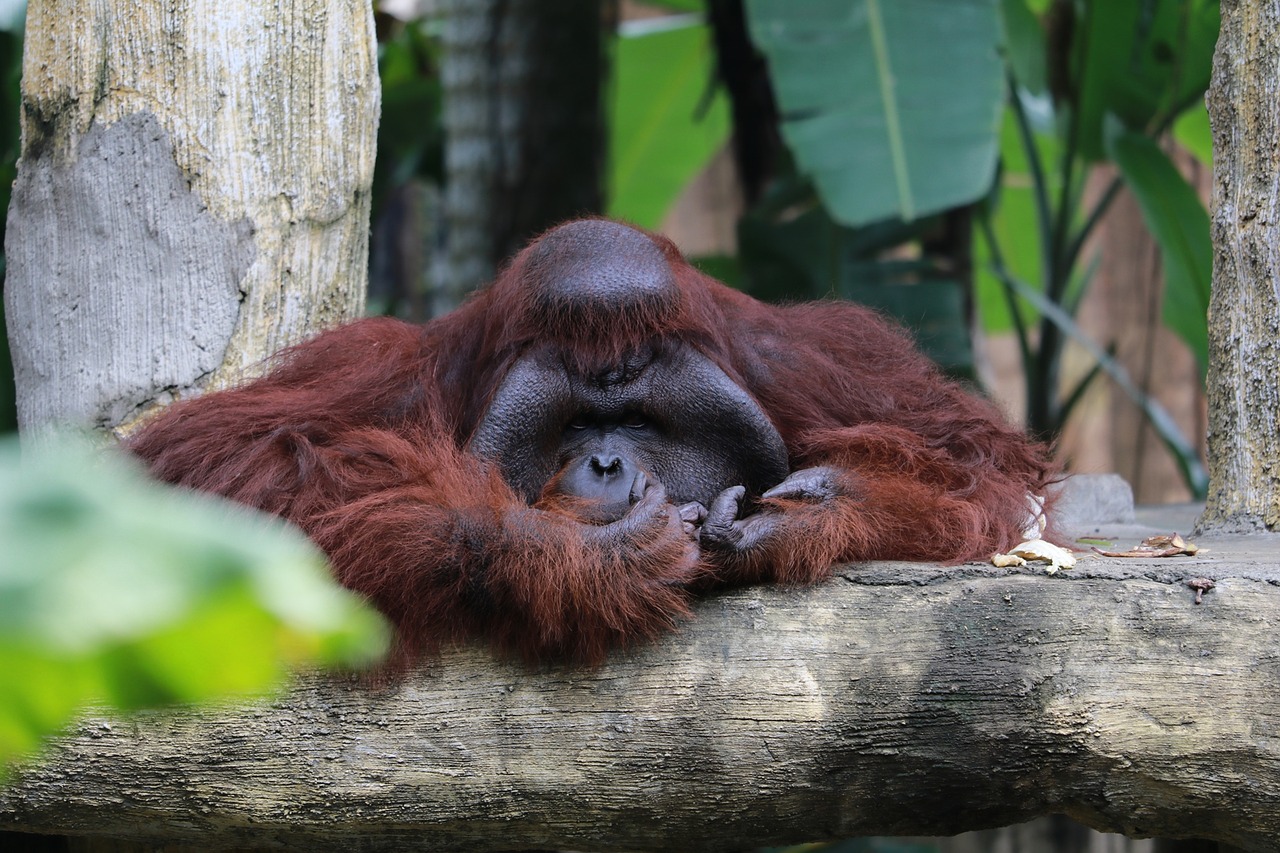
(681, 5)
(805, 255)
(117, 590)
(1194, 134)
(892, 108)
(410, 136)
(1180, 225)
(933, 309)
(1014, 217)
(1142, 61)
(663, 125)
(1024, 40)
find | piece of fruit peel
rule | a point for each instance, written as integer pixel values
(1036, 551)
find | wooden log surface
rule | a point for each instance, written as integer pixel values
(895, 699)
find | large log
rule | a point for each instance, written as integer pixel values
(896, 699)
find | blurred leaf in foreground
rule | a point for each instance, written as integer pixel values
(116, 590)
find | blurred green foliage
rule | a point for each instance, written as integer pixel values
(1117, 77)
(1175, 216)
(791, 248)
(896, 113)
(891, 108)
(1140, 61)
(116, 590)
(666, 119)
(410, 134)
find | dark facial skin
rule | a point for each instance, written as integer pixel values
(608, 482)
(668, 413)
(607, 477)
(662, 427)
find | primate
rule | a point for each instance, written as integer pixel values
(601, 433)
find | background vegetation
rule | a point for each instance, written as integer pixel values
(950, 164)
(117, 591)
(931, 159)
(928, 159)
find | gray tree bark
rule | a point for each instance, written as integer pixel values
(192, 195)
(897, 699)
(524, 125)
(1244, 310)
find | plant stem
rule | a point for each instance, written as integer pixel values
(1186, 456)
(1072, 253)
(1002, 273)
(1040, 186)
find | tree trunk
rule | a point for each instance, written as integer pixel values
(896, 699)
(193, 195)
(524, 127)
(1244, 311)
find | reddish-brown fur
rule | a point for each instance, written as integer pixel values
(359, 436)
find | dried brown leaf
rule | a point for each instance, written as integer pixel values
(1163, 545)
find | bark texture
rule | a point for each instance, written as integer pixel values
(1244, 311)
(193, 195)
(523, 116)
(897, 699)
